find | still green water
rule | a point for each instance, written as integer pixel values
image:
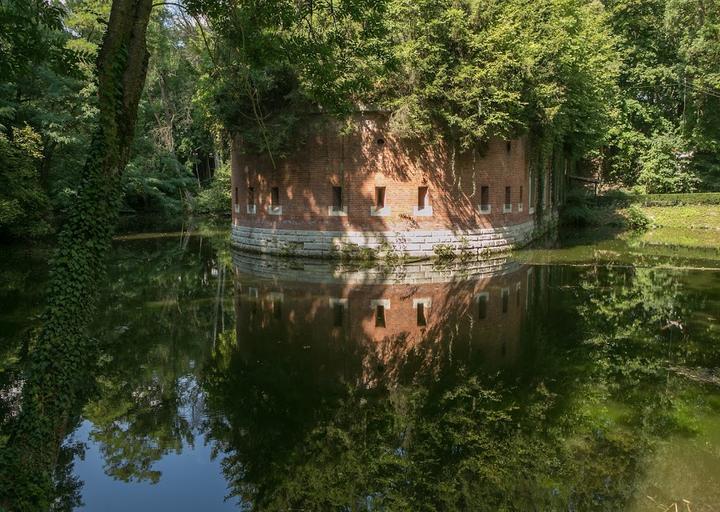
(583, 377)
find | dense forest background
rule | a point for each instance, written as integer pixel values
(630, 88)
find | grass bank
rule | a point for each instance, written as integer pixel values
(670, 220)
(684, 226)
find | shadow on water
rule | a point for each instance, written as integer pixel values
(290, 384)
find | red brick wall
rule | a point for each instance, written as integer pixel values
(358, 163)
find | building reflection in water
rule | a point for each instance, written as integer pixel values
(478, 387)
(385, 325)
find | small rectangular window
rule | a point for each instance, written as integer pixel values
(422, 197)
(482, 307)
(508, 145)
(251, 196)
(508, 196)
(521, 194)
(236, 195)
(421, 321)
(379, 197)
(485, 198)
(505, 300)
(337, 198)
(379, 316)
(275, 196)
(338, 314)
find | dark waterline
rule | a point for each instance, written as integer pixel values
(519, 383)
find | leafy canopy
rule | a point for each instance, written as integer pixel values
(466, 69)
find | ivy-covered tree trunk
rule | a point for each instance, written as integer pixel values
(62, 357)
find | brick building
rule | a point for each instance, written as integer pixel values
(339, 193)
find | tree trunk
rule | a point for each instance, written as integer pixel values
(61, 364)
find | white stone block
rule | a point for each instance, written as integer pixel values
(380, 212)
(423, 212)
(333, 212)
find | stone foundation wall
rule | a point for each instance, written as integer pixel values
(366, 245)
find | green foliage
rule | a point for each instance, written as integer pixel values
(32, 42)
(276, 59)
(636, 219)
(665, 169)
(582, 210)
(175, 138)
(24, 206)
(47, 83)
(485, 68)
(40, 78)
(669, 94)
(694, 24)
(216, 198)
(468, 70)
(155, 181)
(350, 252)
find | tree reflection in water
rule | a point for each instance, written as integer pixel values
(529, 388)
(482, 387)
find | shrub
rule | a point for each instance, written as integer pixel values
(636, 219)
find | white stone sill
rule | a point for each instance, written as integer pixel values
(332, 212)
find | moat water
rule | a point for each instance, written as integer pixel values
(581, 377)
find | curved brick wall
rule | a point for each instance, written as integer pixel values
(294, 208)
